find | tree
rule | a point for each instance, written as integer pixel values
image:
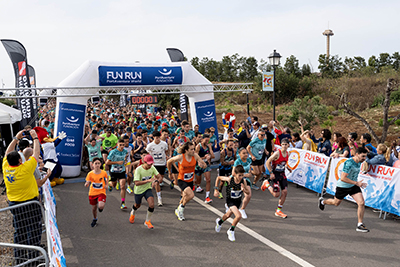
(391, 86)
(384, 60)
(373, 63)
(331, 67)
(396, 60)
(227, 70)
(306, 70)
(195, 63)
(292, 66)
(250, 69)
(359, 63)
(308, 110)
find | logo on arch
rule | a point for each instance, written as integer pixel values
(165, 72)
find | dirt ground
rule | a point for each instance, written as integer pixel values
(344, 123)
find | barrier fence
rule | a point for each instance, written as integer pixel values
(309, 169)
(28, 229)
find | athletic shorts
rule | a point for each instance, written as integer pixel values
(258, 162)
(199, 171)
(279, 181)
(174, 170)
(223, 172)
(341, 192)
(160, 169)
(138, 198)
(93, 200)
(264, 156)
(233, 202)
(115, 176)
(182, 184)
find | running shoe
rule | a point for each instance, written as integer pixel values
(231, 235)
(199, 190)
(217, 226)
(320, 205)
(208, 200)
(123, 206)
(362, 229)
(159, 201)
(110, 188)
(254, 187)
(117, 187)
(132, 218)
(179, 214)
(244, 215)
(220, 196)
(279, 213)
(226, 208)
(171, 185)
(265, 185)
(161, 184)
(129, 189)
(94, 223)
(148, 224)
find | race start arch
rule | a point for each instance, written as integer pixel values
(95, 77)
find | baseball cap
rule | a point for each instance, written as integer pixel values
(264, 126)
(139, 127)
(256, 123)
(164, 124)
(148, 159)
(129, 129)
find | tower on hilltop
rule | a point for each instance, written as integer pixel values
(328, 33)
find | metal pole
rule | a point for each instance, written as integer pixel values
(273, 95)
(248, 104)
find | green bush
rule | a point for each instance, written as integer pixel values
(7, 102)
(378, 101)
(380, 123)
(397, 122)
(395, 97)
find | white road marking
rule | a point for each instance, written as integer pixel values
(252, 233)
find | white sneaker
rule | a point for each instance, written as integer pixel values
(161, 184)
(179, 214)
(244, 215)
(231, 235)
(217, 226)
(226, 208)
(199, 190)
(159, 201)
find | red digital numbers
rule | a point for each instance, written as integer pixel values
(144, 99)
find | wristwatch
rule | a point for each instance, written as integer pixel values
(15, 138)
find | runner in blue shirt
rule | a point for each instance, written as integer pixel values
(256, 149)
(117, 159)
(348, 184)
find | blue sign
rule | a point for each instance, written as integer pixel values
(71, 120)
(113, 76)
(206, 115)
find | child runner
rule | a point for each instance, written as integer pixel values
(236, 185)
(97, 179)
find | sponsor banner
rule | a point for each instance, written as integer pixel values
(308, 169)
(122, 100)
(183, 103)
(268, 81)
(71, 120)
(382, 190)
(206, 115)
(27, 104)
(56, 255)
(113, 76)
(148, 99)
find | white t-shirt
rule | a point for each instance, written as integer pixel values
(49, 151)
(158, 152)
(129, 149)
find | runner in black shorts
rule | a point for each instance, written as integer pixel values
(234, 191)
(276, 165)
(228, 157)
(348, 184)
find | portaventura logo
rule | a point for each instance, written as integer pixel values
(208, 114)
(165, 72)
(72, 119)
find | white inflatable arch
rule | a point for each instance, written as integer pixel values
(71, 110)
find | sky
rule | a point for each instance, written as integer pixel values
(59, 36)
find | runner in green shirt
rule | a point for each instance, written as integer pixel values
(146, 176)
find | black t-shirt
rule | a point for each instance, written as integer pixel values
(234, 190)
(269, 136)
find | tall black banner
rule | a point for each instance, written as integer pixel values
(32, 82)
(17, 54)
(176, 55)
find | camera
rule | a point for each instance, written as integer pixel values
(26, 133)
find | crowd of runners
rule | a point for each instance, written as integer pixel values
(133, 151)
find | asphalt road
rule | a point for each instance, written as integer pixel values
(308, 237)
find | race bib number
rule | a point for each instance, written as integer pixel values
(188, 176)
(117, 168)
(146, 178)
(93, 154)
(236, 193)
(97, 185)
(280, 167)
(260, 152)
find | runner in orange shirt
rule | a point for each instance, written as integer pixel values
(186, 164)
(97, 179)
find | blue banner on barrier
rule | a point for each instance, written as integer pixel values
(112, 76)
(71, 120)
(206, 115)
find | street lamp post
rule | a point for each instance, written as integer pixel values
(274, 59)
